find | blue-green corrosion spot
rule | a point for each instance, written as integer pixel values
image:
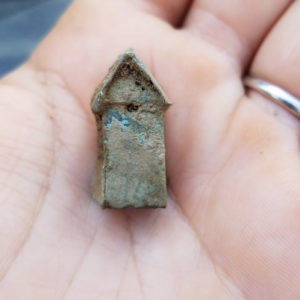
(124, 120)
(126, 123)
(111, 114)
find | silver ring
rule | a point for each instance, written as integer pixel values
(275, 93)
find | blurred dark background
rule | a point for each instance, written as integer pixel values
(23, 23)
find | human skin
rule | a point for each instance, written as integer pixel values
(232, 226)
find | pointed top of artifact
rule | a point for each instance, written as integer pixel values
(128, 81)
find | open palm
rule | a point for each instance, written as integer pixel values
(231, 229)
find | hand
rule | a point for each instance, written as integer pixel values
(232, 227)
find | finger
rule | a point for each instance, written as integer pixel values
(170, 10)
(91, 34)
(234, 27)
(278, 59)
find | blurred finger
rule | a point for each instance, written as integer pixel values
(169, 10)
(278, 59)
(234, 27)
(91, 34)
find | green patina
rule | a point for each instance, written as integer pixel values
(142, 131)
(129, 106)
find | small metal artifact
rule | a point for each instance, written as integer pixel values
(129, 107)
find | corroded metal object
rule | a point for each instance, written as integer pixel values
(129, 107)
